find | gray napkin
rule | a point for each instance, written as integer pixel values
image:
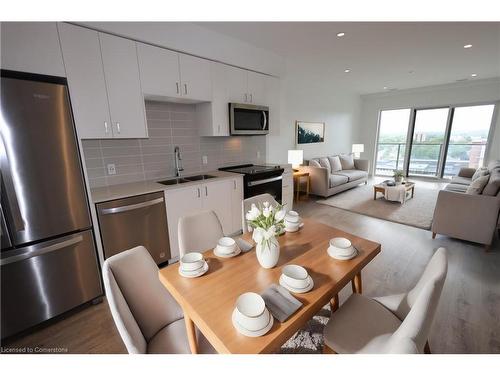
(280, 302)
(243, 245)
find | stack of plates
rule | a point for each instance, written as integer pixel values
(250, 316)
(226, 248)
(293, 222)
(192, 265)
(341, 248)
(296, 279)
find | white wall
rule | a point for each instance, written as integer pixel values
(309, 95)
(470, 92)
(196, 40)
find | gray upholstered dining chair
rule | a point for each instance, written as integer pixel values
(389, 324)
(199, 232)
(257, 200)
(147, 317)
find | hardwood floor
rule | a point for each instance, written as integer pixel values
(467, 320)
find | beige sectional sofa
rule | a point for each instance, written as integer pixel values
(330, 175)
(468, 209)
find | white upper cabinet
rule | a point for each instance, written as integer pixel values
(273, 101)
(159, 67)
(256, 88)
(237, 84)
(196, 82)
(126, 102)
(87, 87)
(31, 47)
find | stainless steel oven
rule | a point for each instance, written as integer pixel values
(248, 119)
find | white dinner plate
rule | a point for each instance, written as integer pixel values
(331, 252)
(297, 290)
(249, 333)
(196, 273)
(237, 251)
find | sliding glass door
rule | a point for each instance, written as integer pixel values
(468, 138)
(433, 142)
(429, 134)
(392, 138)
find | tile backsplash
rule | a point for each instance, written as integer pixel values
(169, 125)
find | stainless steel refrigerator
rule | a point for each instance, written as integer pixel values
(48, 257)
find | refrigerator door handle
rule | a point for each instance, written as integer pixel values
(12, 203)
(41, 251)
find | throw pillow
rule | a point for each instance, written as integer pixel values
(347, 161)
(480, 172)
(325, 163)
(477, 186)
(335, 163)
(314, 163)
(493, 186)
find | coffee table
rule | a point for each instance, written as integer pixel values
(381, 188)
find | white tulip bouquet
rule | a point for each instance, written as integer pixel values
(267, 221)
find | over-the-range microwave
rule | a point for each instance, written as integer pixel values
(248, 119)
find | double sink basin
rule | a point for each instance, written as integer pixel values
(183, 180)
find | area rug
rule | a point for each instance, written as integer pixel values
(417, 211)
(308, 339)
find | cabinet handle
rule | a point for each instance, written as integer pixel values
(251, 98)
(106, 130)
(199, 195)
(246, 97)
(118, 127)
(206, 191)
(177, 87)
(234, 182)
(218, 129)
(185, 88)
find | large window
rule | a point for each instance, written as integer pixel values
(442, 140)
(391, 148)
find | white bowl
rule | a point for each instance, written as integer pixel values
(290, 225)
(340, 243)
(191, 261)
(226, 245)
(251, 311)
(295, 276)
(292, 217)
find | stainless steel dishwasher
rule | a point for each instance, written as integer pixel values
(133, 221)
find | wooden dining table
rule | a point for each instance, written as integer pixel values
(209, 300)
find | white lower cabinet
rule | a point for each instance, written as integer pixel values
(222, 196)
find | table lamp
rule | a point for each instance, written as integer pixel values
(357, 149)
(295, 158)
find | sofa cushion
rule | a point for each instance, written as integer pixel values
(352, 174)
(314, 163)
(335, 163)
(461, 180)
(494, 164)
(477, 186)
(492, 188)
(325, 163)
(457, 188)
(347, 161)
(337, 179)
(480, 172)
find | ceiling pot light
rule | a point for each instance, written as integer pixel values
(468, 46)
(385, 87)
(340, 34)
(347, 70)
(473, 75)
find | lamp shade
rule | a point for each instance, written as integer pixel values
(295, 158)
(358, 147)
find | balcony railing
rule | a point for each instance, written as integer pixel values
(424, 159)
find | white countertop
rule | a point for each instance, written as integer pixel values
(108, 193)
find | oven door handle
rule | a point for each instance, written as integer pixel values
(265, 181)
(264, 126)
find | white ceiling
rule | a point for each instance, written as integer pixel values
(379, 54)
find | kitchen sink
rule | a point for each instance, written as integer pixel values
(199, 177)
(174, 181)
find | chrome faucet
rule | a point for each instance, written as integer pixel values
(178, 161)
